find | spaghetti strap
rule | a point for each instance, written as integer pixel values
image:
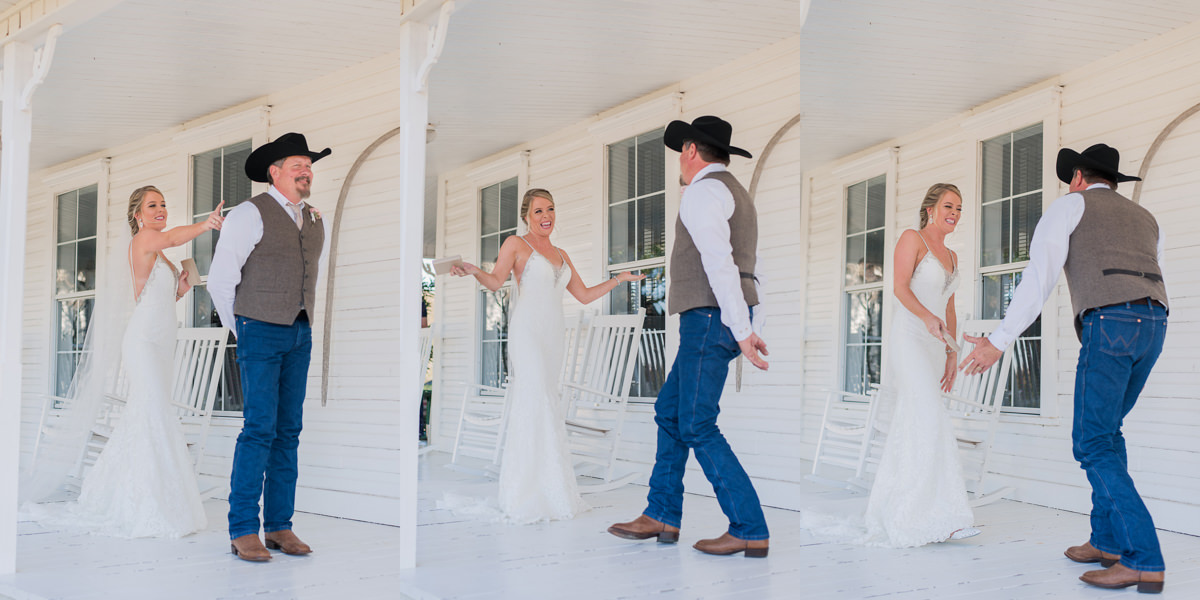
(526, 242)
(924, 242)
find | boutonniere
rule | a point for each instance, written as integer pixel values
(313, 214)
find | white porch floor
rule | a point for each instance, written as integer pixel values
(1019, 555)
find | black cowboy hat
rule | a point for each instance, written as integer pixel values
(288, 144)
(1100, 157)
(713, 131)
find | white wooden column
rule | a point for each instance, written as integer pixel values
(420, 45)
(16, 131)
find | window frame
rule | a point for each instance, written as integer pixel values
(189, 299)
(864, 168)
(847, 290)
(506, 287)
(252, 124)
(610, 269)
(1043, 105)
(487, 174)
(95, 172)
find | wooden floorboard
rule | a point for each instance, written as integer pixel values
(1019, 555)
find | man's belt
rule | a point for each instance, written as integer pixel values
(1150, 276)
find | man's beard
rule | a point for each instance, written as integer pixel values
(304, 191)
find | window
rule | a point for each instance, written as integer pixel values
(637, 239)
(217, 176)
(499, 210)
(74, 279)
(863, 285)
(1011, 206)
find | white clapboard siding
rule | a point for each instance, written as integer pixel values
(772, 422)
(350, 450)
(763, 421)
(1108, 101)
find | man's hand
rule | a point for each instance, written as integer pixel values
(750, 349)
(981, 358)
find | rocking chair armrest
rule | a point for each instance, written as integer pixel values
(591, 390)
(489, 390)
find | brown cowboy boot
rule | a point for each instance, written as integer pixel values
(1087, 553)
(249, 547)
(643, 528)
(1121, 576)
(287, 542)
(727, 544)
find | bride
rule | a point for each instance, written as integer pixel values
(537, 480)
(143, 483)
(919, 495)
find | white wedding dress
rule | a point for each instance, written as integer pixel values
(143, 484)
(537, 479)
(918, 495)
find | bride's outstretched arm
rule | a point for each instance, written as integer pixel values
(149, 240)
(905, 261)
(499, 274)
(951, 371)
(587, 295)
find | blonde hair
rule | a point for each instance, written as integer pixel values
(935, 193)
(528, 199)
(135, 205)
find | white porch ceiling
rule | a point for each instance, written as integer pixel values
(514, 70)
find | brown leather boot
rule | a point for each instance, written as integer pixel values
(1121, 576)
(249, 547)
(643, 528)
(727, 544)
(1087, 553)
(287, 542)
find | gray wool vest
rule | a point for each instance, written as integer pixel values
(279, 278)
(688, 285)
(1113, 255)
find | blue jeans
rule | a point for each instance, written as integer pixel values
(686, 413)
(1120, 346)
(274, 363)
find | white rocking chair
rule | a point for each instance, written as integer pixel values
(597, 399)
(846, 439)
(197, 364)
(975, 405)
(481, 424)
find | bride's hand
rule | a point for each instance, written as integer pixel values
(464, 269)
(951, 372)
(215, 220)
(183, 288)
(936, 327)
(629, 276)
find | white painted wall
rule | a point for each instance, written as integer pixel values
(772, 424)
(351, 448)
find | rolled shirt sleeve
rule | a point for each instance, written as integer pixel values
(241, 232)
(1047, 255)
(705, 210)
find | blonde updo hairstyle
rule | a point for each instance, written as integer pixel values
(528, 199)
(933, 196)
(135, 205)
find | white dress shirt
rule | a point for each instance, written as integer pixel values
(705, 210)
(1047, 255)
(241, 232)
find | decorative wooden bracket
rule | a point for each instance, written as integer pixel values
(437, 41)
(42, 57)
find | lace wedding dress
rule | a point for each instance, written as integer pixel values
(143, 484)
(537, 479)
(919, 495)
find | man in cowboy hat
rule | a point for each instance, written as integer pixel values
(263, 284)
(1112, 252)
(712, 289)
